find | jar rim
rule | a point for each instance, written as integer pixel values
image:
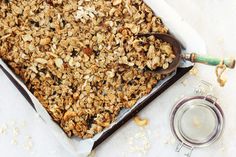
(209, 103)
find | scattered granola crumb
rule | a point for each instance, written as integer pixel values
(92, 154)
(14, 141)
(15, 131)
(140, 122)
(184, 82)
(12, 123)
(169, 140)
(28, 145)
(3, 129)
(23, 124)
(14, 127)
(139, 143)
(193, 71)
(222, 147)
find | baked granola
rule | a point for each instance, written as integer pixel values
(82, 58)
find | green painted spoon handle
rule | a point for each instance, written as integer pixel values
(214, 61)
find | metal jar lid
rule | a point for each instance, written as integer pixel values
(197, 121)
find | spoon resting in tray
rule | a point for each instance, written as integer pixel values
(192, 57)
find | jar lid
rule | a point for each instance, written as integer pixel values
(197, 121)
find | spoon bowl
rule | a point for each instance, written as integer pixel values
(192, 57)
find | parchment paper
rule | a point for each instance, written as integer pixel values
(187, 36)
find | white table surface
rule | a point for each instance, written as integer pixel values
(23, 134)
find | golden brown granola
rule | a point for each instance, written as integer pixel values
(82, 58)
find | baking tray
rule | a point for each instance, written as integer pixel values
(177, 26)
(179, 73)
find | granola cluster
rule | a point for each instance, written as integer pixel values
(82, 58)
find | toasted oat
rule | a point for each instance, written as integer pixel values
(45, 41)
(59, 62)
(116, 2)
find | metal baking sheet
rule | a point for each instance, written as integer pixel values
(78, 147)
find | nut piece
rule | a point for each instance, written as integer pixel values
(68, 115)
(88, 51)
(140, 122)
(116, 2)
(45, 41)
(59, 62)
